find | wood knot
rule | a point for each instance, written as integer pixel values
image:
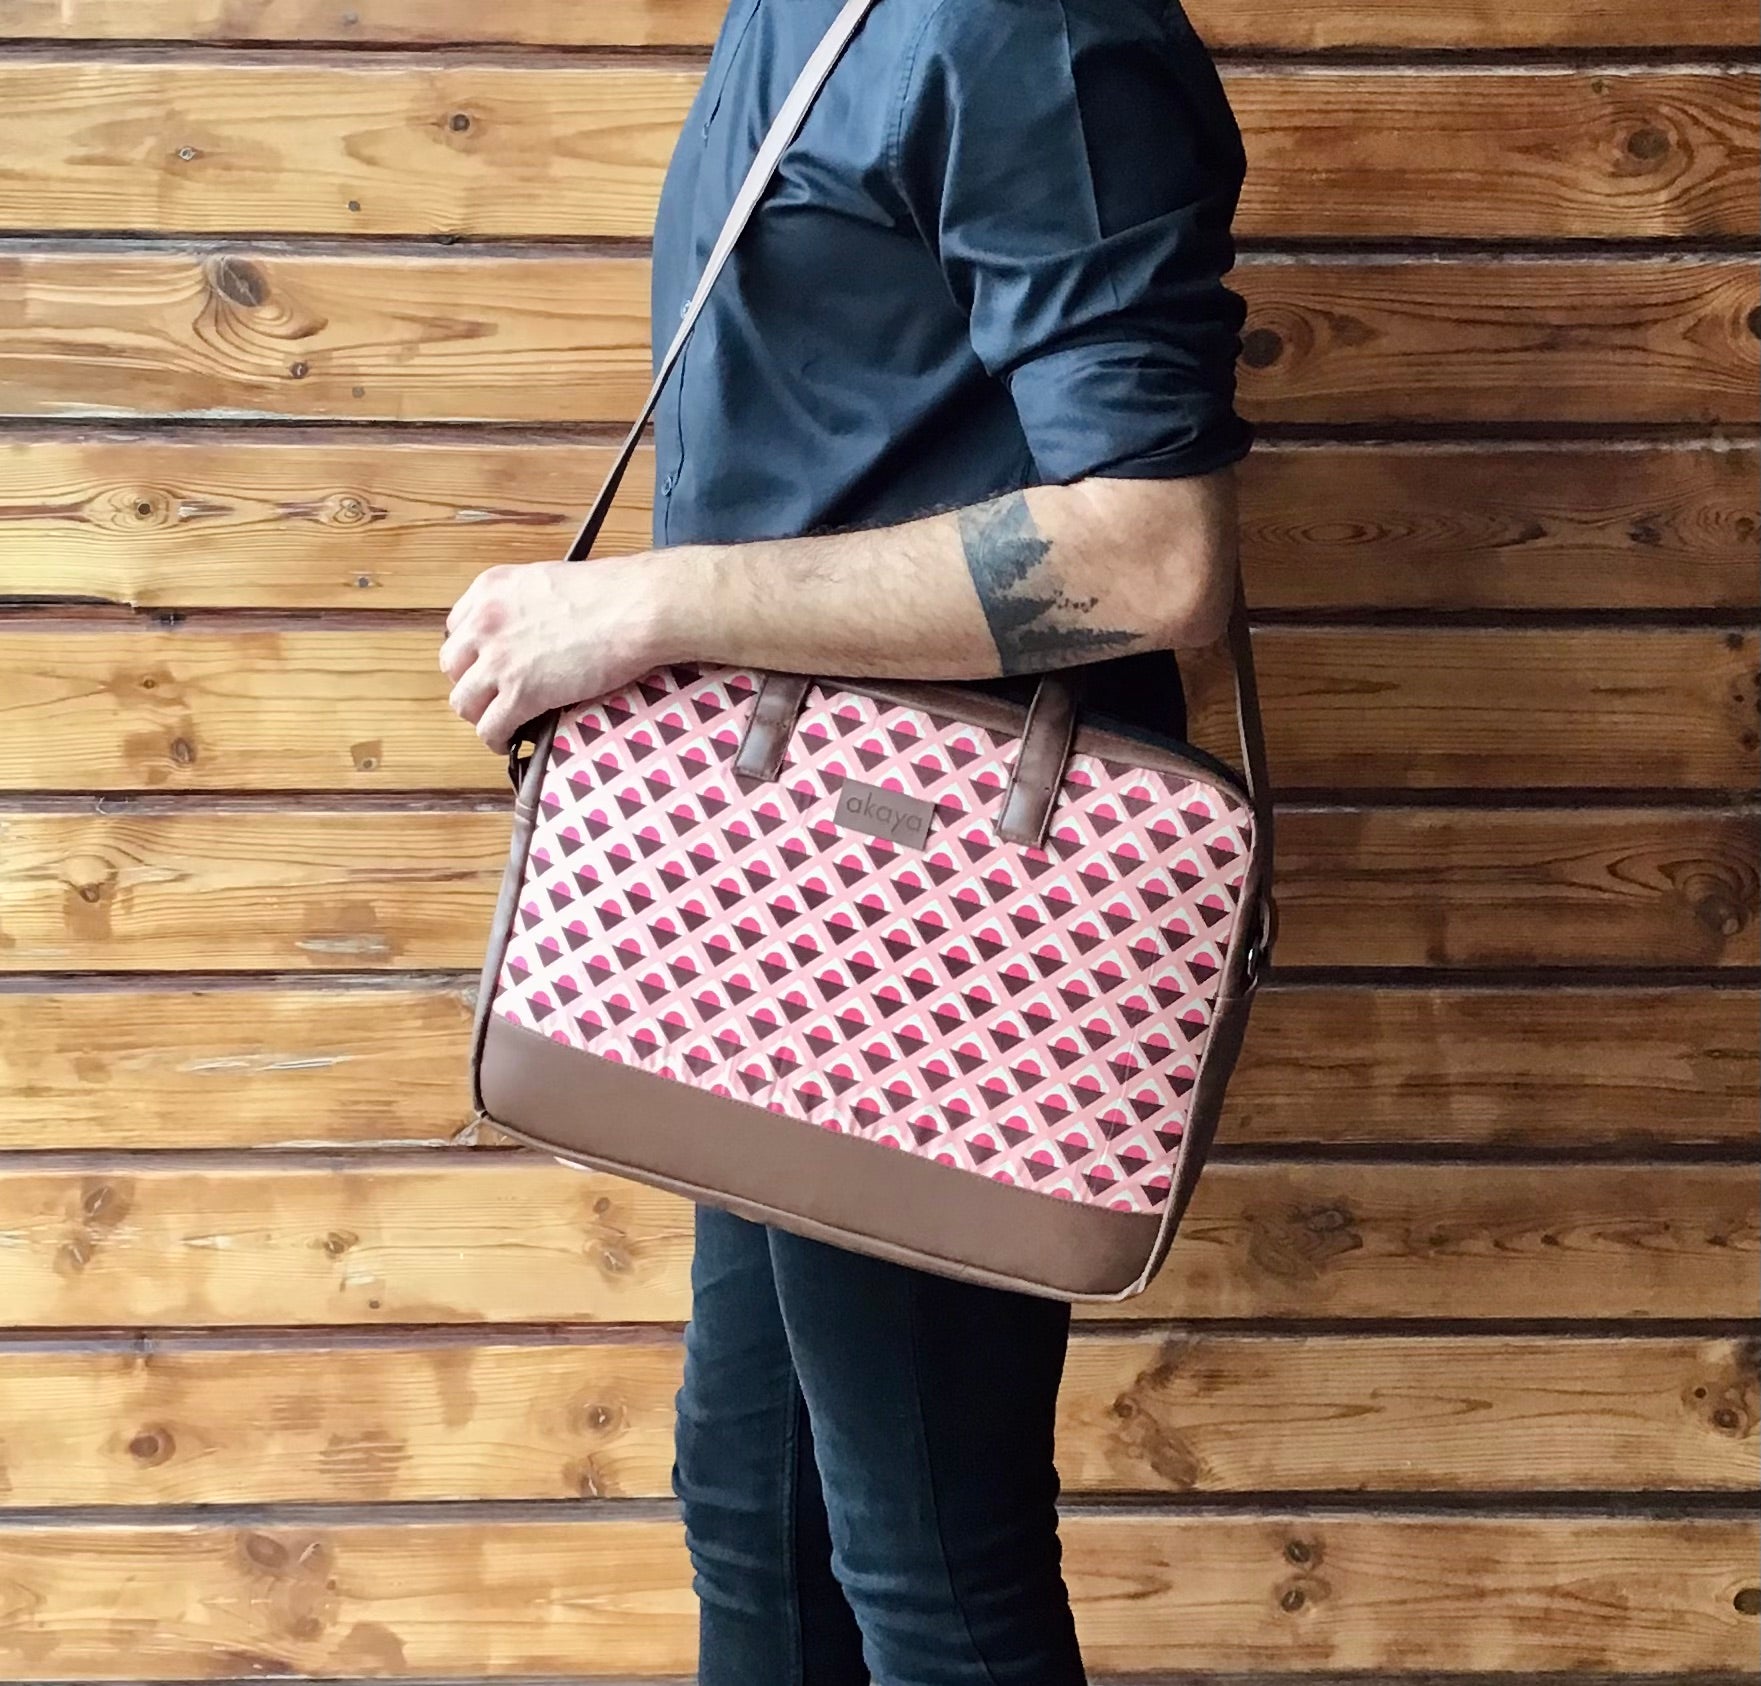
(152, 1446)
(614, 1261)
(345, 509)
(1747, 1601)
(1647, 145)
(183, 752)
(339, 1241)
(138, 506)
(104, 1204)
(1720, 914)
(266, 1552)
(1753, 322)
(584, 1480)
(598, 1417)
(238, 281)
(1262, 347)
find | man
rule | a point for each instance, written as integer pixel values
(961, 407)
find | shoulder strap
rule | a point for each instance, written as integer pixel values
(783, 129)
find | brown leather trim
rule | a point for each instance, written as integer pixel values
(770, 725)
(507, 899)
(1038, 774)
(780, 1171)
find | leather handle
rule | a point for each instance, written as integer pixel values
(1033, 786)
(768, 727)
(1038, 775)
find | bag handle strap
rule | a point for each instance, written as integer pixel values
(783, 129)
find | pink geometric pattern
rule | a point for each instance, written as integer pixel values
(1036, 1016)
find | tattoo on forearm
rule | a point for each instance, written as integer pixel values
(1034, 622)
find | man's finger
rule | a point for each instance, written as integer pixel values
(456, 615)
(457, 655)
(503, 717)
(473, 694)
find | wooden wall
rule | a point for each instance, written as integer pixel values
(310, 308)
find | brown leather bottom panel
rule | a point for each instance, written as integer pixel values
(814, 1182)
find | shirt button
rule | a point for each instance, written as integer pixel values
(706, 128)
(684, 310)
(671, 481)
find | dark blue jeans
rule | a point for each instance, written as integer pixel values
(865, 1463)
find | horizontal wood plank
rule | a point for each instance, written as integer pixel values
(515, 1237)
(548, 337)
(389, 145)
(1191, 1412)
(163, 1068)
(1513, 1068)
(353, 890)
(110, 1601)
(98, 708)
(1309, 25)
(376, 519)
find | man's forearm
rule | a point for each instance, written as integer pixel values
(1031, 580)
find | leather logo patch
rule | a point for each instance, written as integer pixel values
(884, 813)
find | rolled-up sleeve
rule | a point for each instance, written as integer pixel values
(1074, 165)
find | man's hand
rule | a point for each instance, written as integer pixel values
(526, 639)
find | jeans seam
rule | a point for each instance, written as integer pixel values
(934, 1497)
(791, 1539)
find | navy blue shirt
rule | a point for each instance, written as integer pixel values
(993, 258)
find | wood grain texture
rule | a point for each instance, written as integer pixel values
(160, 1067)
(90, 707)
(548, 337)
(109, 1601)
(393, 145)
(165, 1068)
(375, 519)
(1515, 1068)
(1502, 528)
(441, 23)
(515, 1237)
(1187, 1412)
(345, 891)
(1308, 26)
(320, 519)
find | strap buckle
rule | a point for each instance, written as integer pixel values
(1259, 946)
